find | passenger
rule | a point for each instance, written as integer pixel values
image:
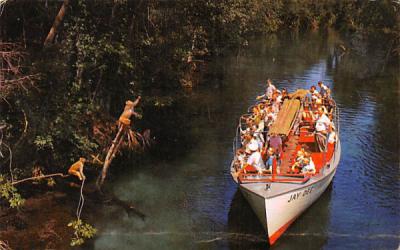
(246, 140)
(270, 117)
(275, 142)
(332, 135)
(299, 163)
(268, 92)
(275, 104)
(285, 94)
(323, 90)
(255, 159)
(261, 127)
(278, 97)
(255, 111)
(270, 160)
(258, 138)
(315, 97)
(261, 108)
(240, 159)
(248, 121)
(309, 166)
(322, 127)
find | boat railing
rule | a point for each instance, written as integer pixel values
(281, 178)
(236, 141)
(336, 118)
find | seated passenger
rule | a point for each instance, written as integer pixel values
(270, 160)
(259, 139)
(314, 93)
(255, 158)
(285, 94)
(316, 99)
(298, 164)
(279, 97)
(332, 136)
(300, 156)
(270, 117)
(275, 103)
(250, 121)
(261, 108)
(308, 167)
(246, 139)
(240, 159)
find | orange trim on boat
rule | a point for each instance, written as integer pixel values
(280, 231)
(289, 180)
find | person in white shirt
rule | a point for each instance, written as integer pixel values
(255, 159)
(268, 92)
(332, 135)
(278, 96)
(323, 90)
(314, 94)
(309, 166)
(322, 127)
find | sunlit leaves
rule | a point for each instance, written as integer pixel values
(10, 193)
(82, 231)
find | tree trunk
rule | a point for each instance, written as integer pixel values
(57, 22)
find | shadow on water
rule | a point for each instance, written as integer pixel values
(243, 221)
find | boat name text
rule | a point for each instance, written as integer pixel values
(300, 194)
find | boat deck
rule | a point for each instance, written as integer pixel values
(289, 153)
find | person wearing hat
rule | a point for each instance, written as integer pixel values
(255, 159)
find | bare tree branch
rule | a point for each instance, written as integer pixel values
(39, 178)
(57, 21)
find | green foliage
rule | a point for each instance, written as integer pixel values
(10, 193)
(43, 142)
(109, 51)
(82, 231)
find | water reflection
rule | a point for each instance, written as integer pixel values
(189, 197)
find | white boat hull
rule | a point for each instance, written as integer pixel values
(279, 205)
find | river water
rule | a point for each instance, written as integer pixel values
(187, 192)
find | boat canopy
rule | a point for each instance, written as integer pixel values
(286, 117)
(298, 94)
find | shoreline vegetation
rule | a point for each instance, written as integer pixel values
(69, 66)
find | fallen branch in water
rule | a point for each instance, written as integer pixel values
(124, 131)
(39, 177)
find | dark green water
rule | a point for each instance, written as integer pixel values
(191, 201)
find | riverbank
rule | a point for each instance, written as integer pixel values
(41, 223)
